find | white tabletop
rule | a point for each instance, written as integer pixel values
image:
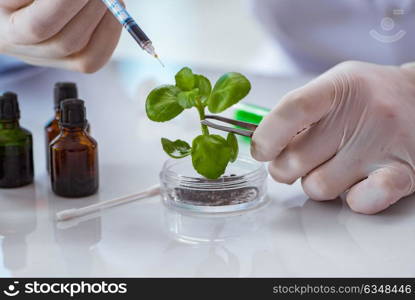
(290, 237)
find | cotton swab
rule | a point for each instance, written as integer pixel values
(69, 214)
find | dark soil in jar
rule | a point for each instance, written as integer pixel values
(232, 196)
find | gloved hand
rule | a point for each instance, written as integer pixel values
(362, 139)
(79, 35)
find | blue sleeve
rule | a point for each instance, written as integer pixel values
(10, 65)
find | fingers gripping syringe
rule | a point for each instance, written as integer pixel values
(132, 27)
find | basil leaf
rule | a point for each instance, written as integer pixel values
(185, 80)
(176, 149)
(228, 90)
(205, 88)
(210, 155)
(162, 104)
(187, 99)
(233, 143)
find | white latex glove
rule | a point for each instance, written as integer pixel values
(362, 140)
(79, 35)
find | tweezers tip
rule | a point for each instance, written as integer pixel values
(227, 129)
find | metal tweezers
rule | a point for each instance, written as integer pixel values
(248, 130)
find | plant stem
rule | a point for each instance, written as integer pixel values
(201, 110)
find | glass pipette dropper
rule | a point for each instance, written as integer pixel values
(132, 27)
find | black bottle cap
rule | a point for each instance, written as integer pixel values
(73, 113)
(63, 91)
(9, 107)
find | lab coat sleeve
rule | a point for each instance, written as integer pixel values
(319, 34)
(10, 65)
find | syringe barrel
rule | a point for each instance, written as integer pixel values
(137, 33)
(127, 21)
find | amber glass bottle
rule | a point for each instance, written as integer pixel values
(62, 91)
(16, 154)
(74, 154)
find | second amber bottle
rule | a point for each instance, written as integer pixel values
(74, 154)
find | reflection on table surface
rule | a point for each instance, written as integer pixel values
(291, 236)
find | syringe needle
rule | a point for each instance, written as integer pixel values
(158, 58)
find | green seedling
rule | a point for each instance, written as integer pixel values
(211, 153)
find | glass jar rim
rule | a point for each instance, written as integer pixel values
(259, 174)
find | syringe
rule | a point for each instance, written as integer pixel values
(132, 27)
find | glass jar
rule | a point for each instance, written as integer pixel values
(242, 187)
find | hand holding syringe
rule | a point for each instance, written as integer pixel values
(78, 35)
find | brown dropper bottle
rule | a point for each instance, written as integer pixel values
(62, 91)
(74, 154)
